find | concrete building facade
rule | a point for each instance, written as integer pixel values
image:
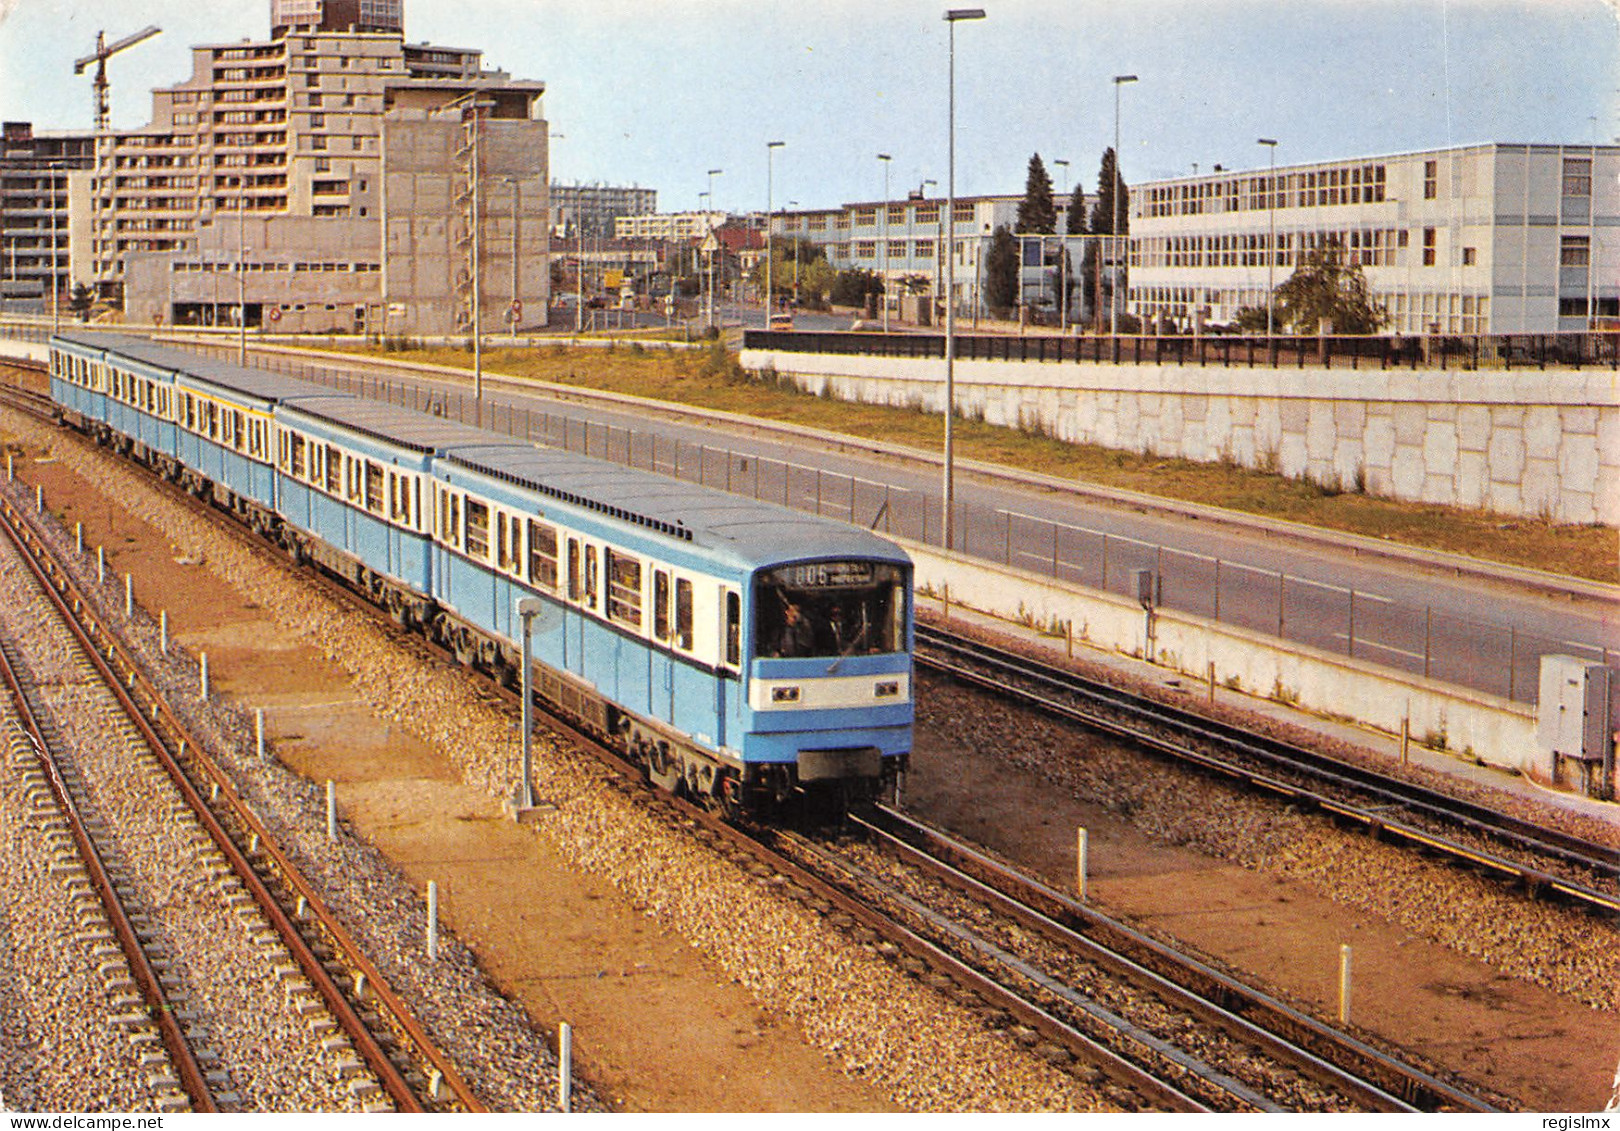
(41, 174)
(595, 210)
(279, 149)
(1481, 239)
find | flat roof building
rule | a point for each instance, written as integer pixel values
(336, 145)
(1477, 239)
(40, 172)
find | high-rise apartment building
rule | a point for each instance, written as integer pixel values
(37, 172)
(332, 176)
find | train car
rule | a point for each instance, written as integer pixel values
(79, 380)
(745, 653)
(356, 490)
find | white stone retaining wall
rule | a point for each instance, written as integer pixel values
(1534, 443)
(1495, 730)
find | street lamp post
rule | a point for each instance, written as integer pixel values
(952, 16)
(1063, 252)
(56, 287)
(793, 204)
(1271, 251)
(1119, 180)
(241, 270)
(512, 311)
(770, 294)
(708, 221)
(884, 157)
(939, 250)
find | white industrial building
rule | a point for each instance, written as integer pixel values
(1479, 239)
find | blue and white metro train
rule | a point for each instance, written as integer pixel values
(744, 654)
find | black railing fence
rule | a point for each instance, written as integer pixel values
(1443, 352)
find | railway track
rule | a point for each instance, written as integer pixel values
(1548, 863)
(371, 1038)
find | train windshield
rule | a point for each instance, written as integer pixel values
(846, 608)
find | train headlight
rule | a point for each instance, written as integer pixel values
(784, 695)
(888, 689)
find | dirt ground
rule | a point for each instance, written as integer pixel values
(658, 1029)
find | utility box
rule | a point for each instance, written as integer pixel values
(1577, 712)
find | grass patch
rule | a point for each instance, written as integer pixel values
(712, 379)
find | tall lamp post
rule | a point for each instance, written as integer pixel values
(770, 295)
(709, 223)
(939, 250)
(952, 17)
(884, 157)
(1063, 252)
(1271, 251)
(793, 204)
(56, 284)
(1119, 180)
(241, 270)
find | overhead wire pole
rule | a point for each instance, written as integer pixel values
(708, 220)
(952, 16)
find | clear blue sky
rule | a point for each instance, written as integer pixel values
(656, 92)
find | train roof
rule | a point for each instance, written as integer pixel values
(389, 423)
(755, 533)
(261, 383)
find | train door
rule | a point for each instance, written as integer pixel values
(573, 620)
(661, 679)
(729, 696)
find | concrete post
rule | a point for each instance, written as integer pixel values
(1344, 984)
(202, 658)
(258, 730)
(129, 597)
(78, 537)
(433, 919)
(331, 809)
(565, 1067)
(101, 565)
(1081, 864)
(39, 498)
(163, 631)
(527, 609)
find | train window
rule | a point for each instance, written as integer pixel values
(450, 520)
(393, 495)
(227, 422)
(190, 404)
(624, 589)
(211, 419)
(477, 529)
(733, 628)
(829, 609)
(334, 470)
(542, 555)
(513, 562)
(683, 613)
(590, 576)
(356, 480)
(374, 488)
(503, 545)
(298, 462)
(238, 431)
(405, 500)
(574, 587)
(421, 519)
(661, 604)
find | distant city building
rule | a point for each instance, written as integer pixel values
(1488, 238)
(39, 174)
(668, 225)
(347, 172)
(594, 210)
(912, 234)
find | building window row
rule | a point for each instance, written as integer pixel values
(1311, 188)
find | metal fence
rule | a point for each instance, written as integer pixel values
(1443, 352)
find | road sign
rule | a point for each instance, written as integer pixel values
(515, 311)
(275, 314)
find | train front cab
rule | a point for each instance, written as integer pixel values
(829, 704)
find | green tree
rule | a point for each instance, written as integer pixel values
(1111, 190)
(851, 287)
(1036, 212)
(1326, 288)
(1075, 224)
(785, 256)
(80, 302)
(1113, 207)
(1001, 267)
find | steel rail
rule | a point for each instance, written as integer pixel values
(192, 1077)
(1257, 1016)
(1274, 753)
(69, 602)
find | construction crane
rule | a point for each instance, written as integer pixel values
(103, 51)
